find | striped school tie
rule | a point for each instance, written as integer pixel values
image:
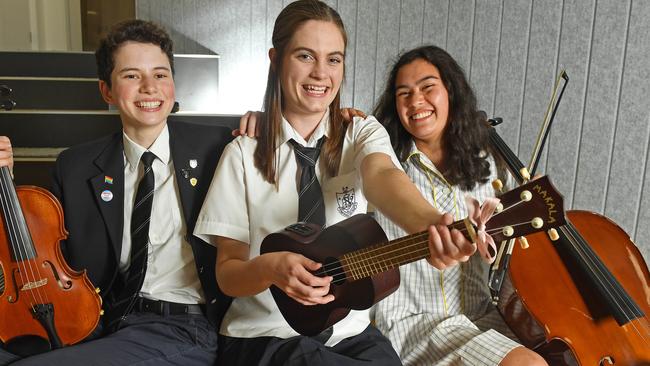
(311, 207)
(140, 219)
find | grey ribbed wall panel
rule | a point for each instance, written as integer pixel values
(575, 51)
(512, 50)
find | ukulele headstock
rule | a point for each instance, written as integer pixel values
(532, 207)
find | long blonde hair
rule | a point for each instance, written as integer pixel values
(286, 24)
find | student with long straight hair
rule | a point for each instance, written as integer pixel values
(304, 157)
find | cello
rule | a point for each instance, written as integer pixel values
(577, 296)
(41, 297)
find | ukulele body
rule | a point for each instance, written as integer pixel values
(325, 246)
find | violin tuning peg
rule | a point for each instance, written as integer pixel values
(497, 185)
(553, 235)
(524, 173)
(97, 290)
(523, 242)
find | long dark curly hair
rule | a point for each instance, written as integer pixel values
(465, 138)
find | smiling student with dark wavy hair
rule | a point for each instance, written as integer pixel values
(442, 317)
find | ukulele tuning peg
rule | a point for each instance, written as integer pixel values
(97, 290)
(526, 196)
(524, 173)
(553, 235)
(537, 222)
(101, 312)
(497, 185)
(523, 242)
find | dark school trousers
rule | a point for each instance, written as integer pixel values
(367, 348)
(6, 357)
(145, 339)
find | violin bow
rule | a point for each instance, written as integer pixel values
(548, 120)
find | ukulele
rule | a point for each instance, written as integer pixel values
(364, 264)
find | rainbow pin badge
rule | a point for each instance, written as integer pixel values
(108, 180)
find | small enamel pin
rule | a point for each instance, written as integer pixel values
(193, 163)
(193, 181)
(106, 196)
(108, 180)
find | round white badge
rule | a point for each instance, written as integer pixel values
(107, 195)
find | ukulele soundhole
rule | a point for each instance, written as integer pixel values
(332, 267)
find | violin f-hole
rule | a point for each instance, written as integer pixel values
(64, 285)
(11, 298)
(607, 360)
(2, 279)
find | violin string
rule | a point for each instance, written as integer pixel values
(605, 281)
(19, 238)
(10, 219)
(28, 269)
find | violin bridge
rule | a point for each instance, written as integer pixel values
(34, 284)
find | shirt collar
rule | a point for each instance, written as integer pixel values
(133, 152)
(288, 132)
(422, 159)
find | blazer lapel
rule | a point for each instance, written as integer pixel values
(108, 188)
(184, 171)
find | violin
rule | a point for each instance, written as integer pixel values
(42, 300)
(579, 295)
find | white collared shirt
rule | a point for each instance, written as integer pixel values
(243, 206)
(171, 271)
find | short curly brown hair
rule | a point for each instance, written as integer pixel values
(135, 30)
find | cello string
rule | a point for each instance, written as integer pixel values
(604, 280)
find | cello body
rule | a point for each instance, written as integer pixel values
(554, 310)
(43, 286)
